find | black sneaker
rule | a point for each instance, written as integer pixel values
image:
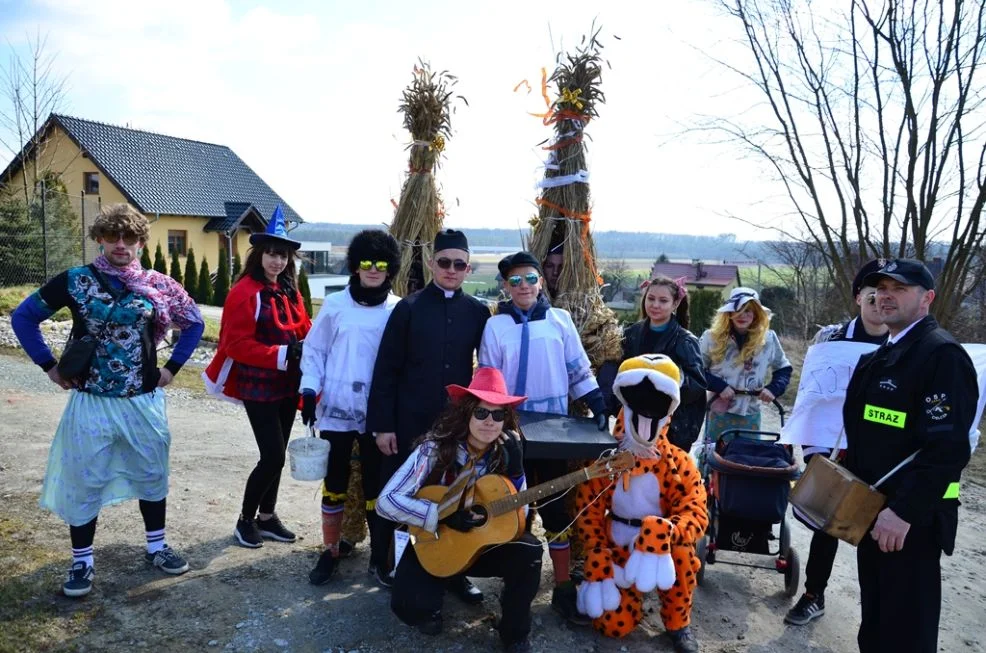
(273, 529)
(683, 640)
(466, 591)
(167, 560)
(431, 625)
(807, 608)
(324, 568)
(384, 580)
(79, 581)
(247, 533)
(563, 602)
(519, 646)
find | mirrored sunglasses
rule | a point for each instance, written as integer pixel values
(114, 236)
(381, 266)
(480, 413)
(446, 263)
(531, 278)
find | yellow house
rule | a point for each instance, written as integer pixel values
(195, 195)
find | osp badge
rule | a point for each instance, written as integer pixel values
(935, 406)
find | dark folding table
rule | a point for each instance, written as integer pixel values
(561, 437)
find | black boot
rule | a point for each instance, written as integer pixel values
(324, 569)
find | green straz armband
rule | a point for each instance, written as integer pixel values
(884, 416)
(952, 492)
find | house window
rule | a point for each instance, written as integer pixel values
(178, 241)
(90, 183)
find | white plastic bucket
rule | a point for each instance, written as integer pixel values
(309, 458)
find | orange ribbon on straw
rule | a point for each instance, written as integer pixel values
(584, 218)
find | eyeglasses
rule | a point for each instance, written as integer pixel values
(446, 263)
(480, 413)
(531, 278)
(381, 266)
(114, 236)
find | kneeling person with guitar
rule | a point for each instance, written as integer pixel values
(458, 494)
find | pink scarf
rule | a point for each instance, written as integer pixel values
(172, 305)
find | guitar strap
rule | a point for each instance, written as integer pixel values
(462, 490)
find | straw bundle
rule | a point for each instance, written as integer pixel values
(564, 208)
(354, 510)
(427, 107)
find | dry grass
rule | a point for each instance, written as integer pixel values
(10, 298)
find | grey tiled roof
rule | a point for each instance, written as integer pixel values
(165, 174)
(234, 213)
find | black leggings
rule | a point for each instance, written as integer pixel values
(271, 422)
(555, 516)
(153, 513)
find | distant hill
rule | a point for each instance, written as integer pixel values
(609, 244)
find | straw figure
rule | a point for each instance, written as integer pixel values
(564, 210)
(427, 107)
(353, 512)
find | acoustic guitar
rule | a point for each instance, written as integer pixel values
(448, 551)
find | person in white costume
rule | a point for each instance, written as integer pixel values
(337, 368)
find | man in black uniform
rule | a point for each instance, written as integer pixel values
(915, 394)
(430, 342)
(867, 327)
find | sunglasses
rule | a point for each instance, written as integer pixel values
(381, 266)
(480, 413)
(531, 278)
(114, 236)
(446, 263)
(871, 299)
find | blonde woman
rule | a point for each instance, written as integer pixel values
(744, 362)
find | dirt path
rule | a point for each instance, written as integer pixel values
(244, 600)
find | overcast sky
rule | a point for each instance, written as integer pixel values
(306, 93)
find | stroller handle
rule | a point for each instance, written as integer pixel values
(756, 393)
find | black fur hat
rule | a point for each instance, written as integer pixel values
(374, 245)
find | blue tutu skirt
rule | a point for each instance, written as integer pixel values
(107, 450)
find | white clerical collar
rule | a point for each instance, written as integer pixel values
(893, 340)
(449, 294)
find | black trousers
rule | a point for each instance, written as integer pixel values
(555, 516)
(821, 559)
(271, 422)
(900, 593)
(416, 594)
(337, 482)
(383, 529)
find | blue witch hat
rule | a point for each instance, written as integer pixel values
(276, 232)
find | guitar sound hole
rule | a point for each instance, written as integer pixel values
(481, 513)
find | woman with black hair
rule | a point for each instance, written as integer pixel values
(257, 363)
(663, 329)
(338, 365)
(477, 434)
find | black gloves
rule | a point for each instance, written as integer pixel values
(594, 399)
(463, 520)
(308, 407)
(513, 454)
(294, 350)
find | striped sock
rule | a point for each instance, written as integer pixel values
(561, 560)
(82, 555)
(332, 528)
(155, 541)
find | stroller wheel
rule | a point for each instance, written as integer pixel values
(792, 573)
(785, 535)
(701, 549)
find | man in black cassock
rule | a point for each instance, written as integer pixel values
(430, 341)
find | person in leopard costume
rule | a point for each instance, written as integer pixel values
(640, 530)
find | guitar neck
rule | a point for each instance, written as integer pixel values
(515, 501)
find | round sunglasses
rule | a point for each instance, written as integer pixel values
(381, 266)
(531, 278)
(446, 263)
(480, 413)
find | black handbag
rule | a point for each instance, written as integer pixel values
(78, 354)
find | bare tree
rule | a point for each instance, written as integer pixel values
(616, 275)
(30, 91)
(874, 128)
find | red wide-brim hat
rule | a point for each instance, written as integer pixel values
(487, 385)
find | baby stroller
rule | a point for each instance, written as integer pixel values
(748, 478)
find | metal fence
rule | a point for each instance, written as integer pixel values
(43, 234)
